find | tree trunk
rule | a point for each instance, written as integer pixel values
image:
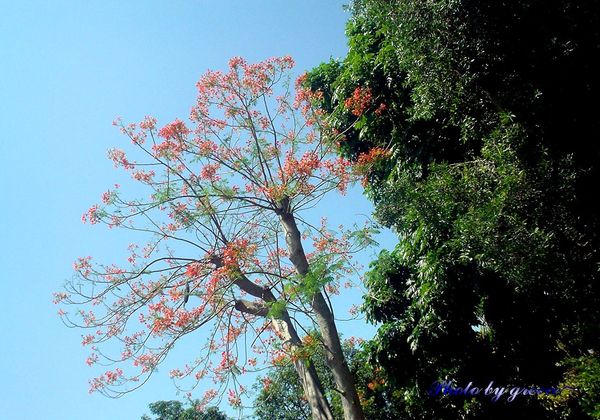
(333, 349)
(306, 371)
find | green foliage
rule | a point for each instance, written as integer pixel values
(175, 410)
(280, 393)
(363, 238)
(322, 271)
(276, 308)
(281, 397)
(490, 184)
(319, 275)
(584, 377)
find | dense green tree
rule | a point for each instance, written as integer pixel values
(280, 395)
(478, 136)
(176, 410)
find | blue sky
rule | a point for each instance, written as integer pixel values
(68, 68)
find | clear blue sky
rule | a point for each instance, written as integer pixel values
(67, 69)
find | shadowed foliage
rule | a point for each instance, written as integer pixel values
(480, 145)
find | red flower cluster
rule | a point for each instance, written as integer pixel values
(373, 155)
(175, 130)
(366, 160)
(305, 99)
(304, 167)
(91, 215)
(120, 159)
(359, 102)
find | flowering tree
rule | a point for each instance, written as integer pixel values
(229, 249)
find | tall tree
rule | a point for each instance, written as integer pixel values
(230, 249)
(478, 146)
